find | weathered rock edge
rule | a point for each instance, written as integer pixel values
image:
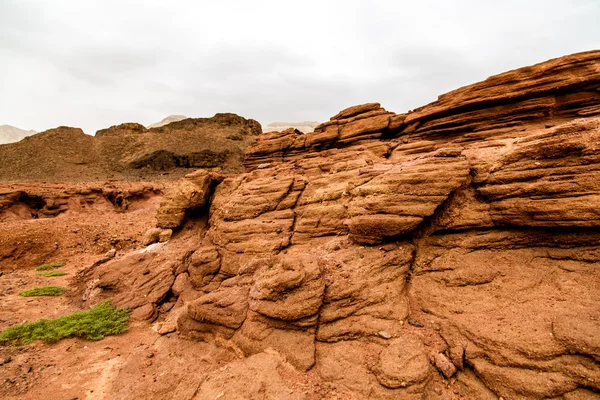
(450, 252)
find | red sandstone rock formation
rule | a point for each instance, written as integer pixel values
(463, 236)
(41, 221)
(447, 253)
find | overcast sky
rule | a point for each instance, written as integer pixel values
(97, 63)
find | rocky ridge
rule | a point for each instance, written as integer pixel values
(450, 252)
(446, 253)
(130, 151)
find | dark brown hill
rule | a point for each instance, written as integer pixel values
(130, 151)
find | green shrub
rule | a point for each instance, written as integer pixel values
(102, 320)
(49, 274)
(51, 265)
(44, 291)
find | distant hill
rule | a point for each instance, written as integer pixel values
(305, 126)
(167, 120)
(130, 151)
(9, 134)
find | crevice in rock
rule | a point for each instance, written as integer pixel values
(116, 199)
(169, 295)
(430, 224)
(293, 208)
(33, 202)
(196, 215)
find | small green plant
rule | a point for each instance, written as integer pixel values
(49, 274)
(44, 291)
(102, 320)
(52, 265)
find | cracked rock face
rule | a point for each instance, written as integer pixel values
(451, 252)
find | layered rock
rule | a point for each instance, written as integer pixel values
(353, 126)
(29, 201)
(479, 116)
(462, 206)
(189, 194)
(518, 307)
(450, 252)
(42, 223)
(142, 281)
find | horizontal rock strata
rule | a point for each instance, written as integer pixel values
(449, 252)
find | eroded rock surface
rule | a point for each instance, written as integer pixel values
(188, 194)
(466, 231)
(447, 253)
(40, 222)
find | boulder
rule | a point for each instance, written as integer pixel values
(188, 194)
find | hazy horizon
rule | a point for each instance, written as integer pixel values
(95, 64)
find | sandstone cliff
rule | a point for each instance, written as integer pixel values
(450, 252)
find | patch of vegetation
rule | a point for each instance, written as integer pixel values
(44, 291)
(102, 320)
(52, 265)
(49, 274)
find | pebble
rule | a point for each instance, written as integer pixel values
(444, 365)
(384, 334)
